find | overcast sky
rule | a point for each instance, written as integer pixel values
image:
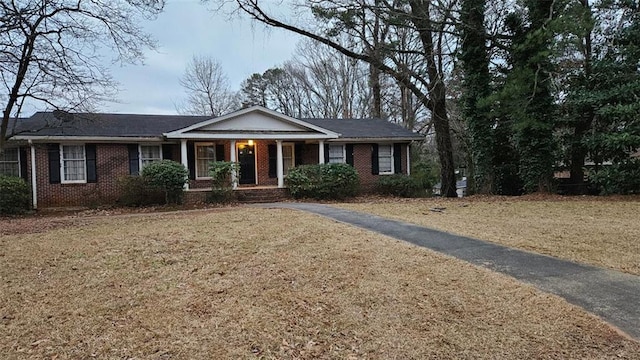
(185, 28)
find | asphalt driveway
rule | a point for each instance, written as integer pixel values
(612, 295)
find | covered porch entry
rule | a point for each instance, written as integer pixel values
(264, 143)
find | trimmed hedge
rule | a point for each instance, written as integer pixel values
(168, 175)
(15, 195)
(323, 181)
(399, 185)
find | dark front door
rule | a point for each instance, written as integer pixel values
(247, 160)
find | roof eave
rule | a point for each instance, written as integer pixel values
(89, 138)
(250, 136)
(378, 139)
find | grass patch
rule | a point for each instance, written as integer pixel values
(602, 232)
(266, 284)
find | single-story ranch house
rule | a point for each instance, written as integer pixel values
(77, 159)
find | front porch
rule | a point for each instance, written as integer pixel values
(262, 141)
(262, 163)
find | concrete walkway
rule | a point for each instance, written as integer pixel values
(612, 295)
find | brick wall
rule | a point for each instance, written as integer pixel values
(262, 159)
(112, 162)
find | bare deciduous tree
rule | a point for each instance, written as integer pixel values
(207, 87)
(430, 23)
(51, 51)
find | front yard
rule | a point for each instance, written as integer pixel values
(599, 231)
(265, 284)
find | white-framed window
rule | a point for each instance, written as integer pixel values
(73, 164)
(288, 158)
(149, 154)
(385, 159)
(10, 162)
(336, 154)
(205, 155)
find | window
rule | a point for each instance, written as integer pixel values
(205, 155)
(73, 164)
(336, 154)
(287, 158)
(149, 154)
(385, 159)
(10, 162)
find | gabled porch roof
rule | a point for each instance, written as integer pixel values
(254, 123)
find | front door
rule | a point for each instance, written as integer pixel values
(247, 160)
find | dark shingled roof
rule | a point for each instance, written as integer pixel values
(113, 125)
(131, 125)
(364, 128)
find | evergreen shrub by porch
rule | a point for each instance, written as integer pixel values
(399, 185)
(14, 195)
(221, 183)
(137, 191)
(323, 181)
(168, 175)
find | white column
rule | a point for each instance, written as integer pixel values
(321, 152)
(34, 183)
(184, 159)
(234, 175)
(408, 159)
(279, 164)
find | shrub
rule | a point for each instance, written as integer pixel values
(137, 191)
(323, 181)
(399, 185)
(221, 183)
(15, 195)
(168, 175)
(425, 173)
(621, 178)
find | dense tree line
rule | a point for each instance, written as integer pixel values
(514, 91)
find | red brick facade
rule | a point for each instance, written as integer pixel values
(112, 163)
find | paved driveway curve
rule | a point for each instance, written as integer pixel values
(612, 295)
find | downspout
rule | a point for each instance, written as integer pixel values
(409, 159)
(34, 187)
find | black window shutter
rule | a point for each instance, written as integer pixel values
(349, 150)
(326, 153)
(90, 153)
(23, 164)
(273, 159)
(54, 163)
(375, 167)
(299, 153)
(397, 158)
(191, 159)
(220, 152)
(134, 163)
(167, 151)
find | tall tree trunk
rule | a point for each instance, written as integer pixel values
(437, 95)
(583, 123)
(376, 90)
(476, 86)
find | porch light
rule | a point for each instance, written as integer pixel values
(250, 142)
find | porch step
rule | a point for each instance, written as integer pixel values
(249, 195)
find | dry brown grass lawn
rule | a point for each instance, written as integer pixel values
(602, 232)
(265, 284)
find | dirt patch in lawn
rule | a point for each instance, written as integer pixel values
(266, 284)
(598, 231)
